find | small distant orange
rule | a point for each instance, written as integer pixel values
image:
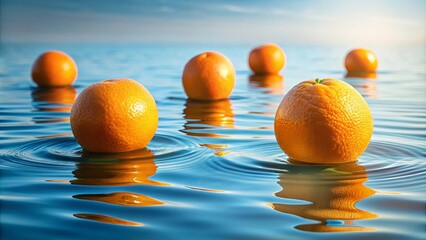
(267, 59)
(54, 69)
(361, 61)
(208, 76)
(323, 121)
(117, 115)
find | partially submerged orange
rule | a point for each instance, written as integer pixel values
(361, 61)
(115, 115)
(54, 69)
(323, 121)
(267, 59)
(208, 76)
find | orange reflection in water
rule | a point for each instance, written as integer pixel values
(200, 115)
(333, 193)
(361, 75)
(61, 96)
(121, 198)
(365, 83)
(119, 169)
(218, 148)
(106, 219)
(272, 83)
(53, 100)
(116, 169)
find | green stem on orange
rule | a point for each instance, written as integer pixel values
(318, 81)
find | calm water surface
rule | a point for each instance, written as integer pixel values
(213, 170)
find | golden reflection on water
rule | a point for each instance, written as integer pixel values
(106, 219)
(119, 169)
(116, 169)
(272, 83)
(199, 115)
(333, 193)
(365, 83)
(361, 75)
(58, 100)
(219, 149)
(61, 95)
(121, 198)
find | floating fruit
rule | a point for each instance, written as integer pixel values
(361, 61)
(54, 69)
(267, 59)
(323, 121)
(208, 76)
(115, 115)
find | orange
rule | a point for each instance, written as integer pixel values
(323, 121)
(115, 115)
(208, 76)
(54, 69)
(266, 59)
(361, 61)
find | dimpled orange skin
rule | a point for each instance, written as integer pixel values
(267, 59)
(208, 76)
(323, 123)
(54, 69)
(361, 61)
(117, 115)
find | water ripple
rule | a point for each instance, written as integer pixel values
(205, 148)
(63, 152)
(60, 152)
(174, 151)
(379, 150)
(258, 159)
(392, 165)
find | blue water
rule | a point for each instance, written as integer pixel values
(213, 170)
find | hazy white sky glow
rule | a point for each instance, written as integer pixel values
(344, 22)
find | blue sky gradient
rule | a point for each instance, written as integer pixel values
(320, 22)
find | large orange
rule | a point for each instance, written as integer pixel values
(323, 121)
(54, 69)
(267, 59)
(209, 76)
(361, 61)
(116, 115)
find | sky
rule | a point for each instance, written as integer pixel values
(318, 22)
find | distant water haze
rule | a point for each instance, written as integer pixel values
(348, 23)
